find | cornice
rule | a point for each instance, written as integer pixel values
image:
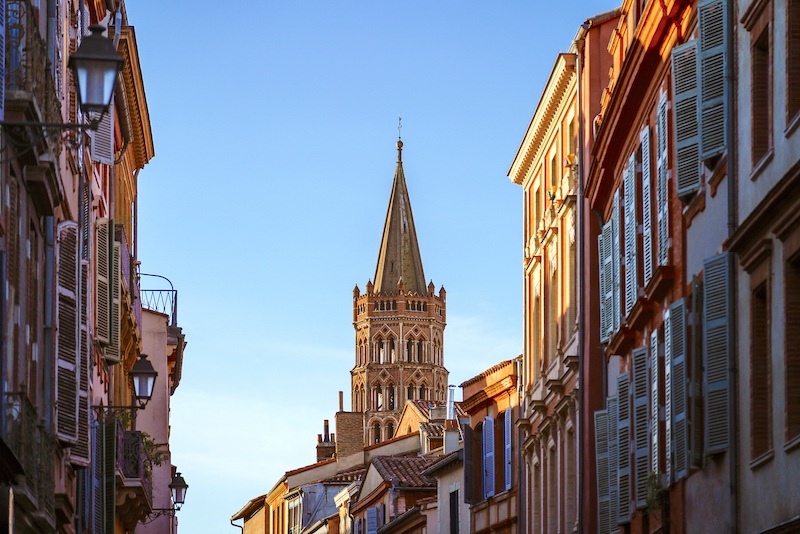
(562, 81)
(142, 142)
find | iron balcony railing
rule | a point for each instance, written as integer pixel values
(161, 300)
(132, 458)
(130, 280)
(34, 447)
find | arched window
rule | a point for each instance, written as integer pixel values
(376, 433)
(377, 398)
(422, 392)
(390, 431)
(419, 351)
(410, 393)
(408, 350)
(390, 394)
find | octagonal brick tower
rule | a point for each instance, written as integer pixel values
(399, 324)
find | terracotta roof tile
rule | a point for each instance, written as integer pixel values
(406, 472)
(433, 430)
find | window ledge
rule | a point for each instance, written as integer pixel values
(660, 283)
(695, 206)
(792, 444)
(762, 164)
(792, 126)
(640, 312)
(764, 459)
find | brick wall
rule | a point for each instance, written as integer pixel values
(349, 433)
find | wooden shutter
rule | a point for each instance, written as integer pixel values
(716, 344)
(372, 520)
(601, 456)
(469, 464)
(668, 395)
(694, 355)
(631, 267)
(488, 456)
(677, 349)
(655, 466)
(662, 189)
(507, 439)
(624, 448)
(616, 267)
(67, 333)
(102, 141)
(612, 405)
(80, 453)
(687, 140)
(712, 16)
(640, 425)
(102, 326)
(2, 60)
(113, 348)
(606, 281)
(647, 215)
(104, 479)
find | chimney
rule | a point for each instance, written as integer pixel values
(451, 402)
(341, 401)
(451, 436)
(326, 433)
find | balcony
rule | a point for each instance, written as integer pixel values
(134, 481)
(34, 447)
(131, 305)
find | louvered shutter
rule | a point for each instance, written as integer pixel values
(712, 16)
(80, 453)
(508, 452)
(668, 395)
(624, 448)
(631, 274)
(601, 456)
(469, 464)
(113, 348)
(98, 496)
(2, 60)
(86, 204)
(102, 143)
(647, 215)
(686, 94)
(694, 355)
(680, 429)
(662, 190)
(616, 267)
(102, 327)
(640, 425)
(67, 333)
(716, 345)
(612, 404)
(606, 281)
(109, 476)
(488, 457)
(654, 408)
(372, 520)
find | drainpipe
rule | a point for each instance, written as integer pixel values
(730, 126)
(237, 526)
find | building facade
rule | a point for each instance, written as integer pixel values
(399, 323)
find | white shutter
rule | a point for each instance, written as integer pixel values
(624, 448)
(508, 452)
(80, 453)
(647, 215)
(601, 456)
(616, 267)
(640, 425)
(687, 140)
(67, 333)
(713, 24)
(662, 190)
(612, 404)
(102, 324)
(102, 145)
(606, 281)
(680, 429)
(654, 408)
(668, 395)
(113, 348)
(716, 347)
(488, 457)
(631, 267)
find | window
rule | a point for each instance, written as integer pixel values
(376, 433)
(488, 457)
(792, 347)
(554, 171)
(295, 515)
(761, 95)
(390, 430)
(454, 525)
(390, 392)
(792, 60)
(760, 390)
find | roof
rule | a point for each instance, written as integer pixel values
(405, 472)
(443, 463)
(248, 509)
(346, 476)
(433, 430)
(424, 408)
(486, 373)
(399, 256)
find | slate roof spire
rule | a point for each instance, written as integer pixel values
(399, 256)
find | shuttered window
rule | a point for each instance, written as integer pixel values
(686, 93)
(104, 487)
(488, 457)
(647, 213)
(792, 59)
(469, 464)
(67, 333)
(113, 348)
(760, 390)
(668, 396)
(612, 405)
(624, 448)
(655, 464)
(616, 264)
(792, 346)
(103, 284)
(640, 425)
(372, 520)
(712, 15)
(717, 352)
(2, 60)
(102, 141)
(507, 440)
(761, 95)
(677, 420)
(662, 190)
(631, 264)
(606, 281)
(601, 455)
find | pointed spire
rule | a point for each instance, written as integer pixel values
(399, 253)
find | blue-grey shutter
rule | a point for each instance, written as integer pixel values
(680, 428)
(631, 264)
(668, 395)
(640, 425)
(113, 349)
(616, 267)
(647, 214)
(624, 448)
(372, 520)
(102, 139)
(654, 406)
(469, 464)
(488, 457)
(601, 439)
(606, 281)
(712, 17)
(686, 93)
(2, 60)
(612, 404)
(67, 333)
(662, 175)
(716, 346)
(507, 438)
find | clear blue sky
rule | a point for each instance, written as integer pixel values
(275, 126)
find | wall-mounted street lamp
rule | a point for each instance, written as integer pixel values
(95, 66)
(177, 488)
(143, 376)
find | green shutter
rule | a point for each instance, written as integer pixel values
(716, 345)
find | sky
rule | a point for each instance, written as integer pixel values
(264, 204)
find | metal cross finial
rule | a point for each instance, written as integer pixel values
(399, 125)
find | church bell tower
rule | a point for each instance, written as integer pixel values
(399, 324)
